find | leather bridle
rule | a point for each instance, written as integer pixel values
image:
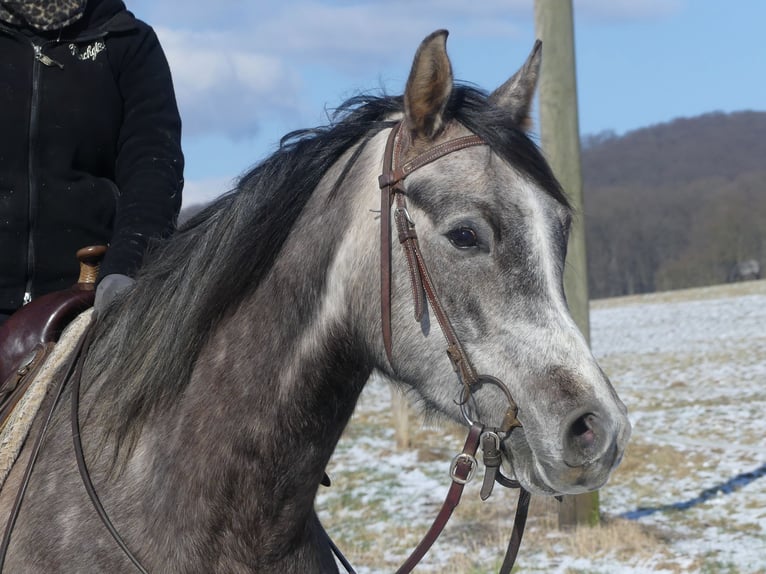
(393, 194)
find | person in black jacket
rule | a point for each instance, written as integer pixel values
(90, 151)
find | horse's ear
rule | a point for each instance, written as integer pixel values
(515, 95)
(428, 87)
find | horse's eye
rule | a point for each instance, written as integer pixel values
(463, 237)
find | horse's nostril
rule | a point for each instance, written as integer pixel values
(582, 430)
(583, 439)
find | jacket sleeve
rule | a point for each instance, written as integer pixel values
(149, 164)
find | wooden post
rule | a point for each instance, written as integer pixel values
(560, 139)
(400, 412)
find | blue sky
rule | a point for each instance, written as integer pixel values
(249, 71)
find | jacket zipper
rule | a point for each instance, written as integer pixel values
(39, 59)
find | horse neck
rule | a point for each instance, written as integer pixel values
(273, 388)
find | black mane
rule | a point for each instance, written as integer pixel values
(213, 261)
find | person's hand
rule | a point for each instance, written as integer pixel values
(110, 288)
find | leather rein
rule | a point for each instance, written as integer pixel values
(72, 371)
(424, 292)
(393, 194)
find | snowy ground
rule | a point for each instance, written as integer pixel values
(690, 495)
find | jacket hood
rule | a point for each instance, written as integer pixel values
(103, 16)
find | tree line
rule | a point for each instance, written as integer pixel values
(674, 205)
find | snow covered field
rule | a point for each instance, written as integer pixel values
(690, 495)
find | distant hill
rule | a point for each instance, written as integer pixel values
(713, 145)
(675, 205)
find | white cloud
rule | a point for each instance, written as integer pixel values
(227, 90)
(236, 63)
(248, 71)
(351, 36)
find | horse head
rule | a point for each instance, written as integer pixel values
(493, 225)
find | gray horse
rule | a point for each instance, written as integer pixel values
(216, 390)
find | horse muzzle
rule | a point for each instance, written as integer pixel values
(577, 457)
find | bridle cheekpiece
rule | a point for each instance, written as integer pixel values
(393, 194)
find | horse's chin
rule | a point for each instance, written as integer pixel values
(520, 462)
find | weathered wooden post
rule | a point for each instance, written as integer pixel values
(560, 139)
(400, 413)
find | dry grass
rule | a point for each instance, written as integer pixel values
(373, 536)
(621, 538)
(480, 529)
(673, 463)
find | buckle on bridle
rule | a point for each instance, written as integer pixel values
(403, 210)
(457, 472)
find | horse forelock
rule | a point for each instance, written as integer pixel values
(147, 348)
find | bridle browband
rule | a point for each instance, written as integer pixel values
(463, 466)
(393, 194)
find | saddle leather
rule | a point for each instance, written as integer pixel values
(20, 379)
(43, 320)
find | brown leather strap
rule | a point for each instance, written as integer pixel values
(65, 375)
(14, 389)
(422, 282)
(391, 190)
(397, 174)
(519, 522)
(386, 196)
(423, 288)
(80, 456)
(462, 469)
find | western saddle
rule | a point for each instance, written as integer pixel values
(28, 336)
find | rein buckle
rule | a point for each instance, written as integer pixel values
(463, 468)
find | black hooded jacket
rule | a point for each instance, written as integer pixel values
(90, 149)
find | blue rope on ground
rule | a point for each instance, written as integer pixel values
(727, 487)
